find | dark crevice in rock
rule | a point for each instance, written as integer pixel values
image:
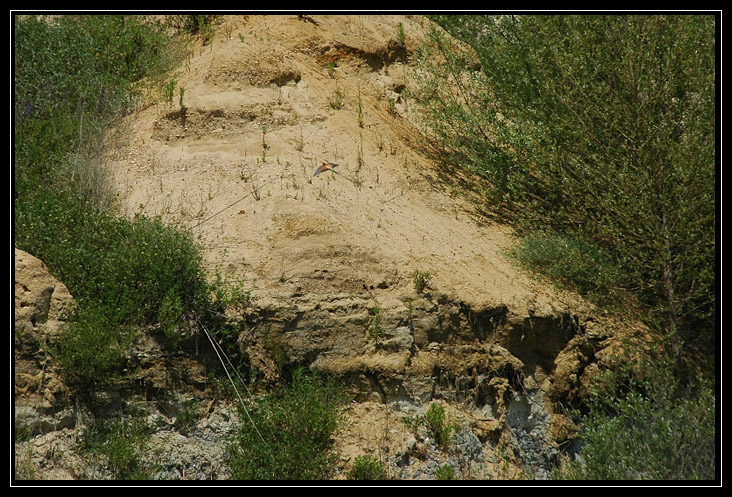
(538, 340)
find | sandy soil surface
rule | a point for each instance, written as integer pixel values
(268, 101)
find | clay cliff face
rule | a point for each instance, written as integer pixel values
(332, 258)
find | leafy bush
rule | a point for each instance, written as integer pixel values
(232, 293)
(650, 430)
(73, 76)
(573, 262)
(445, 472)
(123, 274)
(287, 435)
(598, 132)
(130, 266)
(127, 273)
(122, 443)
(92, 350)
(374, 330)
(197, 24)
(596, 127)
(366, 467)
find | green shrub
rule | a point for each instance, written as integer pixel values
(596, 127)
(232, 292)
(92, 350)
(139, 270)
(169, 92)
(197, 24)
(288, 435)
(152, 264)
(651, 429)
(74, 75)
(374, 330)
(74, 72)
(445, 472)
(122, 444)
(437, 424)
(367, 467)
(575, 263)
(171, 315)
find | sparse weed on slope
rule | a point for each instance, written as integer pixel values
(421, 280)
(436, 422)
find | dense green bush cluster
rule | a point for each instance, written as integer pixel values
(367, 467)
(129, 266)
(571, 261)
(288, 435)
(74, 75)
(652, 430)
(597, 136)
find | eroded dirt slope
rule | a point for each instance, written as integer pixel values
(268, 101)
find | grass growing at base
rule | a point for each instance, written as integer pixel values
(287, 435)
(119, 446)
(367, 467)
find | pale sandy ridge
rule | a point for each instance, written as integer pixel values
(269, 100)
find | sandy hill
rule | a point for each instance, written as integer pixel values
(268, 101)
(265, 102)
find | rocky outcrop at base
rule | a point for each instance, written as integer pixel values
(506, 377)
(502, 379)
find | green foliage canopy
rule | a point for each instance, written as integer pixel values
(73, 76)
(600, 127)
(650, 431)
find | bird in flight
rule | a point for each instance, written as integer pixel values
(327, 166)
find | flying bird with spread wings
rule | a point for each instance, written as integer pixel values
(327, 166)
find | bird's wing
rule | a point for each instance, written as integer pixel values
(327, 166)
